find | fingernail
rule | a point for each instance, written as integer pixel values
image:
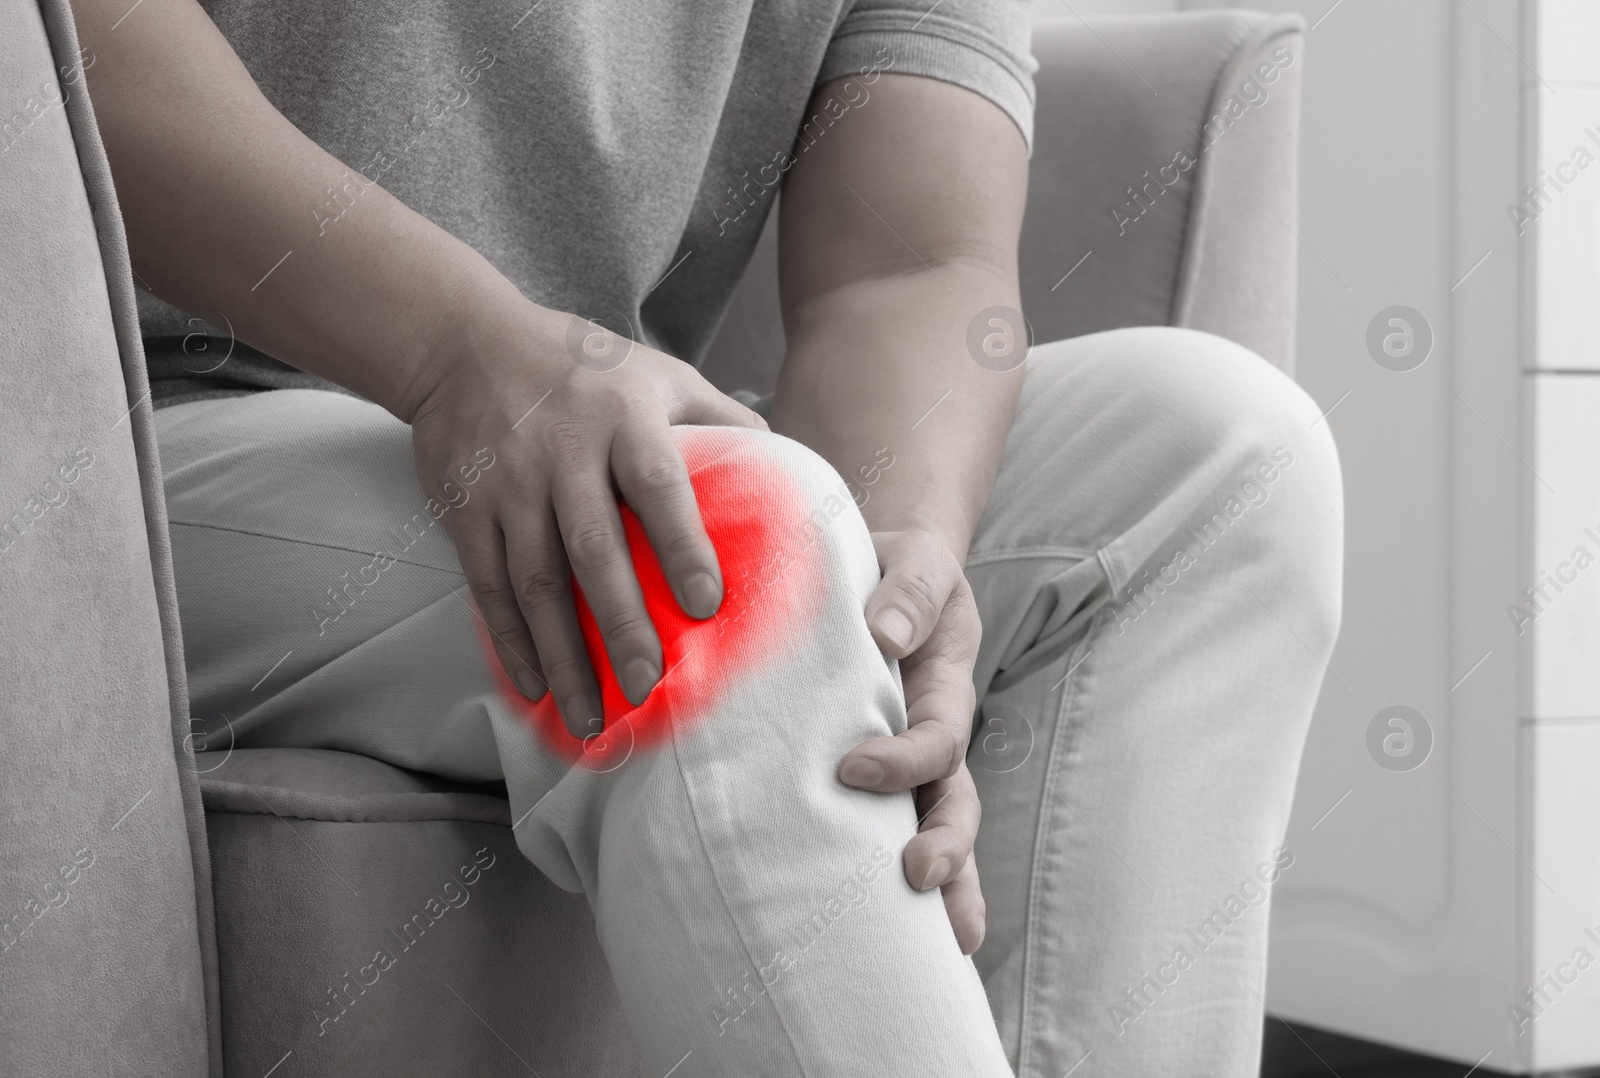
(529, 683)
(701, 596)
(896, 626)
(936, 872)
(639, 676)
(861, 772)
(582, 717)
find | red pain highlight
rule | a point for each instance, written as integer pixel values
(756, 517)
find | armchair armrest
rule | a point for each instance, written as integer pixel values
(105, 914)
(1167, 146)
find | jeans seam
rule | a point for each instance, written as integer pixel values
(1058, 738)
(1111, 563)
(722, 896)
(1028, 553)
(304, 542)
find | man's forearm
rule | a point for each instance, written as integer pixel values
(898, 233)
(880, 370)
(226, 206)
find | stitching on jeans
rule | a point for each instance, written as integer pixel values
(722, 895)
(304, 542)
(1058, 738)
(1115, 568)
(1026, 553)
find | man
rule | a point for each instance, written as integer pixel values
(572, 179)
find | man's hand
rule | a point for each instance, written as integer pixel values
(922, 613)
(573, 413)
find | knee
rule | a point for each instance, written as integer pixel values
(1232, 436)
(1189, 396)
(774, 506)
(1266, 441)
(759, 462)
(798, 567)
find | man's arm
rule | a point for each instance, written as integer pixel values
(899, 228)
(219, 194)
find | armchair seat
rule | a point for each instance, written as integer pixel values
(373, 920)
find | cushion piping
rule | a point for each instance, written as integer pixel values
(244, 798)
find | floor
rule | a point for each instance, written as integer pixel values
(1303, 1052)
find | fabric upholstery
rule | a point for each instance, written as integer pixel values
(502, 973)
(1237, 277)
(106, 917)
(339, 786)
(1105, 129)
(1119, 97)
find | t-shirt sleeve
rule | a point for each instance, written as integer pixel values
(982, 45)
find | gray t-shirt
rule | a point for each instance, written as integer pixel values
(613, 158)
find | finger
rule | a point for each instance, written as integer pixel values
(939, 728)
(542, 586)
(707, 406)
(918, 576)
(591, 530)
(653, 479)
(480, 547)
(925, 753)
(940, 700)
(964, 905)
(949, 826)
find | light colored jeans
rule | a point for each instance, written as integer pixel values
(1158, 572)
